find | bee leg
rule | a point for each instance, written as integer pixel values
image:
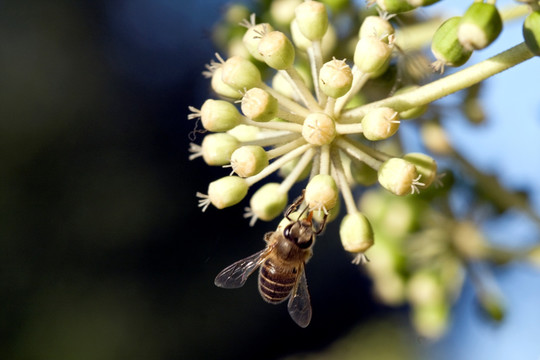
(321, 226)
(292, 208)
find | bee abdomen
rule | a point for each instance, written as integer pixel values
(275, 284)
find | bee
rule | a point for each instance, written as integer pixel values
(281, 263)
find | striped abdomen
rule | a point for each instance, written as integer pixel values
(276, 282)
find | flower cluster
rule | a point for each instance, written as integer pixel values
(315, 119)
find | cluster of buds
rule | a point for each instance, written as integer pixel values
(314, 119)
(303, 126)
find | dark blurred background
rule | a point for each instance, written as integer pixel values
(104, 253)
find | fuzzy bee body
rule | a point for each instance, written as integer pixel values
(281, 267)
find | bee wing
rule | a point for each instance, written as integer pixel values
(235, 275)
(299, 303)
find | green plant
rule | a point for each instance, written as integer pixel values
(333, 109)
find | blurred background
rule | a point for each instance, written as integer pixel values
(104, 253)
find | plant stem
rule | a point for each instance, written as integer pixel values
(348, 197)
(304, 161)
(447, 85)
(297, 83)
(274, 125)
(274, 166)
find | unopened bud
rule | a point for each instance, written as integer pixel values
(221, 88)
(398, 176)
(480, 26)
(321, 192)
(277, 50)
(335, 78)
(219, 115)
(312, 19)
(380, 123)
(227, 191)
(253, 36)
(356, 233)
(531, 32)
(268, 202)
(377, 27)
(371, 54)
(259, 105)
(249, 160)
(240, 73)
(446, 47)
(425, 166)
(395, 6)
(319, 129)
(217, 148)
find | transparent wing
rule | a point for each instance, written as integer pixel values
(299, 303)
(235, 275)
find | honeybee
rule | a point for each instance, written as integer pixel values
(282, 262)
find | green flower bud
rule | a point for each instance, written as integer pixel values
(249, 160)
(431, 320)
(425, 288)
(371, 54)
(531, 32)
(217, 148)
(240, 74)
(221, 88)
(321, 192)
(319, 129)
(425, 166)
(312, 19)
(245, 132)
(252, 38)
(380, 124)
(277, 50)
(259, 105)
(219, 115)
(282, 11)
(446, 47)
(377, 27)
(412, 112)
(319, 215)
(398, 176)
(418, 3)
(268, 202)
(227, 191)
(356, 233)
(395, 6)
(335, 78)
(435, 139)
(480, 26)
(336, 5)
(303, 43)
(362, 173)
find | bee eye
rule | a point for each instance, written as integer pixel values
(287, 233)
(304, 244)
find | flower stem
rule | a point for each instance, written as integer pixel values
(285, 102)
(363, 154)
(300, 87)
(359, 79)
(274, 125)
(284, 149)
(278, 163)
(447, 85)
(315, 59)
(304, 161)
(346, 192)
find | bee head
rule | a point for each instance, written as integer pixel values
(300, 232)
